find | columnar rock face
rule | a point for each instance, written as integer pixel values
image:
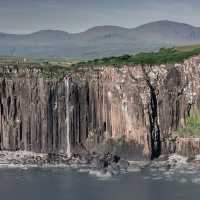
(188, 146)
(29, 112)
(144, 105)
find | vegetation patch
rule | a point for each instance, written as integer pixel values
(192, 128)
(49, 71)
(163, 56)
(58, 68)
(188, 47)
(50, 68)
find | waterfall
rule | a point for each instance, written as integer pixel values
(67, 119)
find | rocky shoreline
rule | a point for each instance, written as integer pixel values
(103, 165)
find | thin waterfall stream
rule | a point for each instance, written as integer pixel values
(67, 120)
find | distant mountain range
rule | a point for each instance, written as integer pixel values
(100, 41)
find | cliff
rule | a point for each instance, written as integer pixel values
(139, 108)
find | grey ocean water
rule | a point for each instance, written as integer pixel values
(66, 184)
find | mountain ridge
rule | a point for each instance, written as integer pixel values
(99, 41)
(106, 26)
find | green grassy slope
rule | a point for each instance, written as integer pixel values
(188, 47)
(171, 55)
(58, 68)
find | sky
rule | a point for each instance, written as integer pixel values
(26, 16)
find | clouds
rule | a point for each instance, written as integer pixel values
(78, 15)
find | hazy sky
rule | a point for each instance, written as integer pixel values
(24, 16)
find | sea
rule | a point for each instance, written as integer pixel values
(62, 183)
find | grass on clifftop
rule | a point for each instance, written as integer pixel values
(53, 71)
(50, 68)
(163, 56)
(192, 128)
(188, 47)
(59, 68)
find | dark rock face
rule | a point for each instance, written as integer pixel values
(29, 112)
(142, 104)
(189, 147)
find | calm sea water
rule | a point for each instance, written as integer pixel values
(66, 184)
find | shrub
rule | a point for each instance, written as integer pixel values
(192, 128)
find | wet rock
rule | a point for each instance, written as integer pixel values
(168, 166)
(191, 159)
(102, 163)
(116, 158)
(124, 164)
(162, 158)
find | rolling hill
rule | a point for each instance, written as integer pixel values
(99, 41)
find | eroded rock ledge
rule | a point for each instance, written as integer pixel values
(136, 109)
